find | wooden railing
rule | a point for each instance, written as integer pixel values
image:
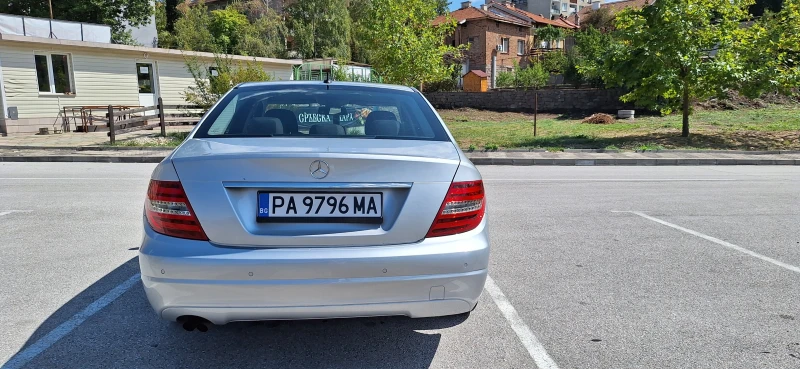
(138, 123)
(135, 123)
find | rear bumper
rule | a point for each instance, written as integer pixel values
(436, 277)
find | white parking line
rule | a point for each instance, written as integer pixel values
(531, 343)
(23, 357)
(612, 179)
(68, 178)
(13, 211)
(717, 241)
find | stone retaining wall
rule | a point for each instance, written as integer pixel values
(550, 100)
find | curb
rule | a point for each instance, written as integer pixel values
(476, 161)
(591, 151)
(88, 148)
(81, 159)
(631, 162)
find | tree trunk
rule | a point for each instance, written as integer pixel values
(685, 130)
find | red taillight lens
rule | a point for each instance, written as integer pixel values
(169, 212)
(461, 211)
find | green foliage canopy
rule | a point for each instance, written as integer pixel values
(405, 47)
(675, 51)
(320, 28)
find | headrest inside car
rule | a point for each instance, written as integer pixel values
(382, 128)
(262, 126)
(326, 129)
(381, 115)
(287, 118)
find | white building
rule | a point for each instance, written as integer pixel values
(40, 76)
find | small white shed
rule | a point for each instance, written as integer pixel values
(40, 76)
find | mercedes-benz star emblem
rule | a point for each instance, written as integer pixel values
(319, 169)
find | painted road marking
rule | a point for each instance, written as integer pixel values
(72, 178)
(13, 211)
(612, 179)
(23, 357)
(717, 241)
(528, 339)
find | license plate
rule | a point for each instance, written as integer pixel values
(320, 207)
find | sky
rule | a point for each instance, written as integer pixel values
(455, 4)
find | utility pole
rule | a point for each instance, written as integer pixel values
(50, 3)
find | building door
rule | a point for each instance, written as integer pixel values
(148, 91)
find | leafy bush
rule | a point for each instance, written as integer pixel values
(534, 76)
(554, 62)
(571, 73)
(443, 85)
(550, 33)
(505, 79)
(208, 89)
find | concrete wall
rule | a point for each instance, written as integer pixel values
(555, 101)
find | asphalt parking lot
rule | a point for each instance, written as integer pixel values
(594, 267)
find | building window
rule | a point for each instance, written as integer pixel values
(497, 24)
(520, 47)
(53, 73)
(563, 7)
(471, 41)
(504, 46)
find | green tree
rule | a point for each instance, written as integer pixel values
(265, 37)
(676, 51)
(360, 11)
(591, 50)
(405, 47)
(554, 62)
(171, 14)
(572, 75)
(320, 28)
(115, 13)
(534, 76)
(770, 53)
(506, 79)
(228, 27)
(442, 6)
(192, 29)
(166, 37)
(550, 34)
(762, 6)
(207, 89)
(601, 19)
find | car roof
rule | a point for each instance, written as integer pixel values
(332, 83)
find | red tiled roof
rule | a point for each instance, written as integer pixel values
(475, 13)
(538, 18)
(478, 73)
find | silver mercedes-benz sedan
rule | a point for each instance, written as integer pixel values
(298, 200)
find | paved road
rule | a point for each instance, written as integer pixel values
(634, 267)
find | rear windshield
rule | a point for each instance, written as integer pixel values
(283, 110)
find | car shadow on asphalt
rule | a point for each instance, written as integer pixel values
(127, 333)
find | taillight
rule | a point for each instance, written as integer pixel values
(169, 212)
(461, 211)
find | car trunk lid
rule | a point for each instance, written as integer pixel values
(223, 178)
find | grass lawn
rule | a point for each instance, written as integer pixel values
(773, 128)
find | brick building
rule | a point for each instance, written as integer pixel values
(498, 34)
